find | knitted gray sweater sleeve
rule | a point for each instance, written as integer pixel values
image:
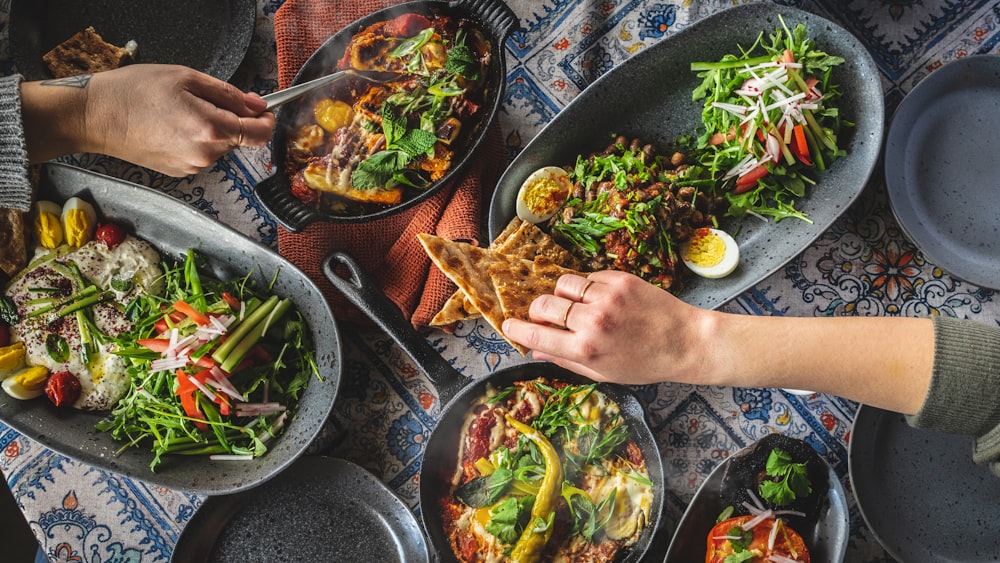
(964, 394)
(15, 188)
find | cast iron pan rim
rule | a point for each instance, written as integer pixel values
(493, 18)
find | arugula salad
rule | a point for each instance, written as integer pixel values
(770, 122)
(216, 367)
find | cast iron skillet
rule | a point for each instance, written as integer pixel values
(457, 393)
(493, 17)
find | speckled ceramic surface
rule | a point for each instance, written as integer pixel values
(649, 97)
(940, 168)
(173, 227)
(209, 35)
(320, 509)
(920, 492)
(826, 540)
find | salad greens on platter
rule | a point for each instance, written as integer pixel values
(216, 367)
(770, 122)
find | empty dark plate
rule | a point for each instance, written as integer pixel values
(208, 35)
(941, 168)
(920, 492)
(319, 509)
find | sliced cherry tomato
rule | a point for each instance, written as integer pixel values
(747, 181)
(62, 388)
(110, 234)
(233, 302)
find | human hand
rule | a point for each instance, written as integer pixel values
(171, 118)
(618, 328)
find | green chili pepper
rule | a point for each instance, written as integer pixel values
(532, 541)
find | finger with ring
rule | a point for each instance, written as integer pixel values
(565, 319)
(583, 290)
(239, 140)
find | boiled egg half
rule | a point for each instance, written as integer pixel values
(79, 220)
(711, 253)
(542, 194)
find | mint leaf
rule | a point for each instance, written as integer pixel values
(378, 169)
(415, 142)
(393, 126)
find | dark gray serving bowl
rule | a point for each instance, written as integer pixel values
(208, 35)
(649, 97)
(173, 227)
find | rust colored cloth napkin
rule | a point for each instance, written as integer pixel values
(387, 249)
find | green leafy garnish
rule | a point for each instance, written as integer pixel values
(507, 518)
(789, 480)
(57, 348)
(485, 490)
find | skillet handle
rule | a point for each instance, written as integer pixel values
(362, 291)
(495, 14)
(281, 205)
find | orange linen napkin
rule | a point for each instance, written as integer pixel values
(387, 249)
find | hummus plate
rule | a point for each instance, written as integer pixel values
(172, 227)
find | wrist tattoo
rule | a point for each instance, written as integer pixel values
(81, 81)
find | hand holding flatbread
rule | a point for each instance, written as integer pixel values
(499, 286)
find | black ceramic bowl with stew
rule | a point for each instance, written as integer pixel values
(492, 17)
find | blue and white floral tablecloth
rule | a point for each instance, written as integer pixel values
(863, 265)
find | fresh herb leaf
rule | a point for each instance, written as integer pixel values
(413, 44)
(57, 348)
(485, 490)
(8, 311)
(507, 518)
(460, 60)
(378, 169)
(789, 480)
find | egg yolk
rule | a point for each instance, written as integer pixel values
(77, 227)
(543, 195)
(49, 230)
(706, 250)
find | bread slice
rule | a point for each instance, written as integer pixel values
(86, 52)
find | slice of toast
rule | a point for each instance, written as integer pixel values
(84, 53)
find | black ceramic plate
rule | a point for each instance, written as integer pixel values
(920, 492)
(649, 97)
(173, 227)
(320, 509)
(827, 539)
(208, 35)
(940, 168)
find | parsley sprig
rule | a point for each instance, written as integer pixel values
(788, 480)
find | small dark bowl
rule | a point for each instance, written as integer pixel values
(493, 17)
(208, 35)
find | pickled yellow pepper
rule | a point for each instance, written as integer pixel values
(530, 545)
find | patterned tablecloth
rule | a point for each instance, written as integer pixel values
(862, 265)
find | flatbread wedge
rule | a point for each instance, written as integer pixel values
(466, 265)
(520, 239)
(518, 281)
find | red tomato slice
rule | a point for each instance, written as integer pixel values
(748, 181)
(788, 543)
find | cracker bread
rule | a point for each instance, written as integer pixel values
(85, 52)
(467, 265)
(520, 239)
(518, 282)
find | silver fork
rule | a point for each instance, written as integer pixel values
(281, 97)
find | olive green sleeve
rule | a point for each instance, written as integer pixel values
(964, 393)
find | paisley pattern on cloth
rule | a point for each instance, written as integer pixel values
(863, 265)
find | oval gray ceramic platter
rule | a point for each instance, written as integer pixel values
(320, 509)
(827, 540)
(649, 96)
(173, 227)
(920, 492)
(208, 35)
(940, 168)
